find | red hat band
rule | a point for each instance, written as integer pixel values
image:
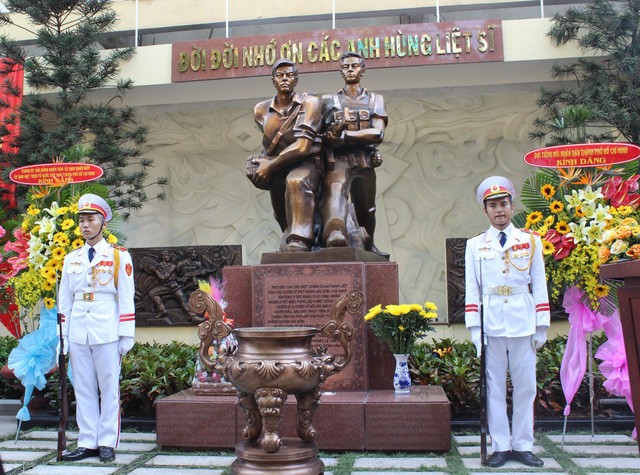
(93, 207)
(495, 190)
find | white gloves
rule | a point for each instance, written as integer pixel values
(539, 337)
(475, 339)
(125, 344)
(65, 347)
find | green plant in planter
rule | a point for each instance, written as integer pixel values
(153, 371)
(454, 366)
(8, 390)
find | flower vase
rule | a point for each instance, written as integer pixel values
(401, 376)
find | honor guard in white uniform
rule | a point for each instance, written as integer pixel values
(98, 322)
(504, 266)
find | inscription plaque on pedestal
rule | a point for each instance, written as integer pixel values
(303, 295)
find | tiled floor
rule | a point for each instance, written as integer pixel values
(35, 453)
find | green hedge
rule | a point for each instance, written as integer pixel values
(151, 371)
(8, 390)
(458, 372)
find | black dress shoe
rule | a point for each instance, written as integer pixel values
(80, 453)
(107, 454)
(498, 459)
(527, 458)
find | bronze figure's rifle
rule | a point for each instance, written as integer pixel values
(62, 393)
(483, 380)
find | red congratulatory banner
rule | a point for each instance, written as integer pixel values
(56, 174)
(583, 155)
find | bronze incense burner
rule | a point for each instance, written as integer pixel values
(271, 363)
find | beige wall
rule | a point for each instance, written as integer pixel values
(439, 145)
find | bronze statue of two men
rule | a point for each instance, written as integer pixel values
(319, 157)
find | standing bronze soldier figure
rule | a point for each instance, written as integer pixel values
(290, 166)
(354, 121)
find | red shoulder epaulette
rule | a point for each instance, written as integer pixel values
(530, 231)
(119, 248)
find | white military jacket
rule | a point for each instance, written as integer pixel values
(94, 310)
(515, 287)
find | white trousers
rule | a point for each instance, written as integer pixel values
(519, 357)
(96, 367)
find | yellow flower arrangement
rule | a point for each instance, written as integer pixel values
(50, 233)
(399, 326)
(596, 220)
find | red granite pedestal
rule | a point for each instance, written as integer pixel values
(358, 409)
(345, 420)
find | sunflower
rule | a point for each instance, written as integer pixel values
(77, 243)
(49, 303)
(61, 239)
(556, 206)
(67, 224)
(58, 253)
(547, 191)
(601, 290)
(562, 227)
(580, 212)
(32, 210)
(547, 248)
(534, 217)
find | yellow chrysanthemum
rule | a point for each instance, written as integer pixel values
(430, 306)
(77, 243)
(401, 328)
(395, 310)
(625, 210)
(535, 217)
(562, 227)
(35, 230)
(373, 312)
(73, 208)
(111, 239)
(77, 232)
(67, 224)
(547, 191)
(49, 303)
